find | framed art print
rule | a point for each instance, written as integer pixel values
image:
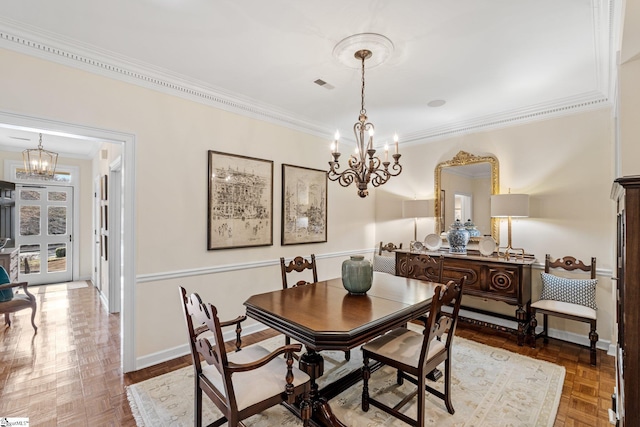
(443, 226)
(304, 205)
(240, 206)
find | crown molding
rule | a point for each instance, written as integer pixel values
(585, 102)
(35, 42)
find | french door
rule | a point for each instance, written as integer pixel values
(43, 235)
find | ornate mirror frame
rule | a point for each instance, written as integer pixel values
(461, 159)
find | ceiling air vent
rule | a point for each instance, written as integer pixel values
(324, 84)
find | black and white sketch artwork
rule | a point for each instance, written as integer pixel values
(304, 205)
(240, 211)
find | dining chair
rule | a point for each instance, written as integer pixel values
(416, 354)
(388, 249)
(12, 301)
(241, 383)
(298, 264)
(385, 260)
(568, 298)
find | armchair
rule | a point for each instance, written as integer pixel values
(11, 301)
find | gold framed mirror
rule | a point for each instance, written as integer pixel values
(463, 187)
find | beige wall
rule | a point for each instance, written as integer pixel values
(629, 113)
(565, 165)
(629, 91)
(172, 136)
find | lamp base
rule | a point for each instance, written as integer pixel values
(507, 251)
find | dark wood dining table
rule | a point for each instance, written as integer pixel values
(324, 316)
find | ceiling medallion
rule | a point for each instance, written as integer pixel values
(380, 47)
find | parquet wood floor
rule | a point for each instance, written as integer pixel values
(69, 373)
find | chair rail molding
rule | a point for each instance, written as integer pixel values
(178, 274)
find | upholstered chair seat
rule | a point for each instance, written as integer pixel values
(565, 308)
(404, 346)
(259, 384)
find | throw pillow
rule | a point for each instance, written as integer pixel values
(574, 291)
(5, 294)
(385, 264)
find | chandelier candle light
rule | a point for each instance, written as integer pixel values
(364, 166)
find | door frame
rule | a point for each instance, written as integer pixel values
(10, 167)
(72, 253)
(96, 277)
(115, 230)
(128, 212)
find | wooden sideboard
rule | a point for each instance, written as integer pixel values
(494, 278)
(9, 260)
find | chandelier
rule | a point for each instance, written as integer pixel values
(364, 166)
(39, 162)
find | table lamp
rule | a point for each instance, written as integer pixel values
(509, 206)
(417, 209)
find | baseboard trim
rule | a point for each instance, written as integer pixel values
(181, 350)
(553, 333)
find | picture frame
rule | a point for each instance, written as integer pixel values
(104, 187)
(304, 205)
(240, 201)
(443, 226)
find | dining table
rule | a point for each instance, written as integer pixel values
(325, 316)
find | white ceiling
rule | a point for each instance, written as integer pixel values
(494, 62)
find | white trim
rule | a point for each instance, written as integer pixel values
(178, 274)
(571, 337)
(49, 47)
(10, 167)
(182, 350)
(127, 316)
(605, 272)
(115, 233)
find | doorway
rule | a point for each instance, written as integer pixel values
(44, 233)
(126, 216)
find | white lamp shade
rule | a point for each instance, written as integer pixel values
(513, 205)
(418, 208)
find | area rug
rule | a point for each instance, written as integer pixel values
(490, 387)
(45, 289)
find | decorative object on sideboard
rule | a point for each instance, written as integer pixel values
(364, 166)
(357, 275)
(487, 246)
(416, 246)
(458, 237)
(3, 242)
(417, 209)
(40, 162)
(433, 242)
(472, 229)
(510, 206)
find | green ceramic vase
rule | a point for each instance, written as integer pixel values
(357, 275)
